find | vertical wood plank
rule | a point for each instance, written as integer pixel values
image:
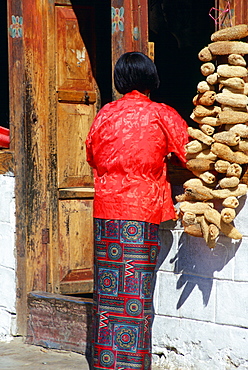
(240, 11)
(51, 150)
(17, 132)
(129, 29)
(75, 235)
(36, 115)
(74, 121)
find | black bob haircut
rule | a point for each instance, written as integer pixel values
(135, 71)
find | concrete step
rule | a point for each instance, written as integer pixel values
(60, 322)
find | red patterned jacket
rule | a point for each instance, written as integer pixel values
(127, 147)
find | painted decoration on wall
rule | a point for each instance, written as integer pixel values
(136, 33)
(117, 19)
(81, 56)
(221, 16)
(15, 28)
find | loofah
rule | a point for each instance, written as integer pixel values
(207, 68)
(213, 232)
(239, 128)
(195, 146)
(207, 177)
(207, 129)
(212, 79)
(203, 193)
(233, 109)
(180, 198)
(207, 154)
(222, 115)
(234, 170)
(229, 182)
(195, 207)
(194, 230)
(232, 117)
(233, 82)
(189, 218)
(224, 70)
(230, 202)
(199, 135)
(246, 89)
(213, 216)
(224, 152)
(204, 226)
(230, 33)
(205, 55)
(242, 146)
(211, 121)
(209, 231)
(203, 111)
(234, 100)
(207, 98)
(227, 137)
(221, 166)
(225, 193)
(227, 215)
(193, 182)
(198, 193)
(203, 86)
(236, 60)
(228, 47)
(230, 90)
(200, 164)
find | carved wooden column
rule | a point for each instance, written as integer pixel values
(238, 13)
(129, 28)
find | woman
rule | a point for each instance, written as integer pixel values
(127, 147)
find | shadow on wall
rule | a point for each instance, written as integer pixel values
(195, 264)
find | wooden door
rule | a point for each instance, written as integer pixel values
(76, 108)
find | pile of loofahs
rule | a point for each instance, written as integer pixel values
(219, 147)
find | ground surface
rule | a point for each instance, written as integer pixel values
(16, 355)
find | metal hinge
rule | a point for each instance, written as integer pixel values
(45, 236)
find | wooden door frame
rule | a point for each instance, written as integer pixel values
(17, 136)
(31, 65)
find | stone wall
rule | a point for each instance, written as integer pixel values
(7, 257)
(200, 302)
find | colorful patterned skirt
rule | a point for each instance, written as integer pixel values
(125, 259)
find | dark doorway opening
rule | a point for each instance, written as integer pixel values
(100, 53)
(4, 102)
(179, 30)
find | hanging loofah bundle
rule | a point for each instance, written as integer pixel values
(219, 147)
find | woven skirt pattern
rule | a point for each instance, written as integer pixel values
(125, 259)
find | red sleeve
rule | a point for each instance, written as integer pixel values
(89, 151)
(89, 140)
(176, 131)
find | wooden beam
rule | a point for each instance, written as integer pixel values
(240, 11)
(18, 139)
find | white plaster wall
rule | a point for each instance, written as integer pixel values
(201, 300)
(7, 257)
